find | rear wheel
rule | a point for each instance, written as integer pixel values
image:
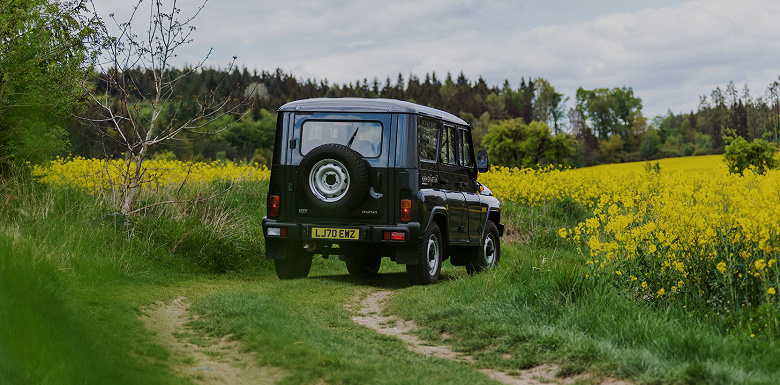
(296, 264)
(488, 253)
(429, 252)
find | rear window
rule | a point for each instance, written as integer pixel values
(365, 137)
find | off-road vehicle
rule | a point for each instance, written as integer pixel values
(364, 179)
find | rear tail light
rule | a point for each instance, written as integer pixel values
(406, 210)
(394, 236)
(273, 206)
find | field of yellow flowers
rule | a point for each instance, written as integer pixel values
(95, 175)
(692, 232)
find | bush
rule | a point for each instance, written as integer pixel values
(761, 155)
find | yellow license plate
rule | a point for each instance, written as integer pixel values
(331, 233)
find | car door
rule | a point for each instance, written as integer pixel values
(472, 216)
(450, 183)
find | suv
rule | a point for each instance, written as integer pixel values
(371, 178)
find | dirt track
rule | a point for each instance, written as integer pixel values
(369, 313)
(204, 360)
(212, 361)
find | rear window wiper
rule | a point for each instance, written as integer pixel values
(354, 135)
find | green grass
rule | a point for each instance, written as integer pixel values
(73, 281)
(303, 327)
(538, 307)
(67, 307)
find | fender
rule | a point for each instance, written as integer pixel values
(437, 210)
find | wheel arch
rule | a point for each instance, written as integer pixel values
(495, 216)
(439, 216)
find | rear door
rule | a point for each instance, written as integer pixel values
(367, 133)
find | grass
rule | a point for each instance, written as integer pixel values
(303, 326)
(538, 307)
(73, 280)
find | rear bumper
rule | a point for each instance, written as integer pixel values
(297, 234)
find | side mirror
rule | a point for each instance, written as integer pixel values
(483, 165)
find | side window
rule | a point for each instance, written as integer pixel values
(427, 131)
(448, 146)
(466, 153)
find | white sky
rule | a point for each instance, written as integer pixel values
(669, 51)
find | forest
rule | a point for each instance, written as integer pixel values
(600, 126)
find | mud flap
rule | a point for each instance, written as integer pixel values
(275, 249)
(406, 255)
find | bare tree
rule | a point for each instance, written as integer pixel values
(137, 106)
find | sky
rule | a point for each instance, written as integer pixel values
(670, 52)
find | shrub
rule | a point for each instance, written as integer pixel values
(761, 155)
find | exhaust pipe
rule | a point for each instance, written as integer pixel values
(309, 246)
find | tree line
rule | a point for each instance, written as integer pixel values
(604, 125)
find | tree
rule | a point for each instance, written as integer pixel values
(526, 100)
(611, 111)
(549, 104)
(45, 54)
(651, 142)
(138, 109)
(611, 149)
(513, 143)
(760, 154)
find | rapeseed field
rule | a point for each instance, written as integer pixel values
(691, 233)
(94, 175)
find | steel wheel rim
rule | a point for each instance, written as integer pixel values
(329, 180)
(489, 250)
(434, 254)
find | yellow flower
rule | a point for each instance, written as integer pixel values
(644, 285)
(661, 292)
(759, 264)
(721, 267)
(771, 291)
(651, 249)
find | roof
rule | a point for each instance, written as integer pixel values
(368, 105)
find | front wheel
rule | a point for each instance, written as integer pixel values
(489, 252)
(296, 264)
(429, 252)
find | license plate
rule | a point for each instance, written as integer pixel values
(331, 233)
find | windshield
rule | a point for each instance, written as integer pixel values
(365, 137)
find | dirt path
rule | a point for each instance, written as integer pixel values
(368, 312)
(203, 359)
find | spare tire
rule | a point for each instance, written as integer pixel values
(333, 178)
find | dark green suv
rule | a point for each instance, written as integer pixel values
(371, 178)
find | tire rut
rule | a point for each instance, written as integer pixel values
(203, 359)
(368, 309)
